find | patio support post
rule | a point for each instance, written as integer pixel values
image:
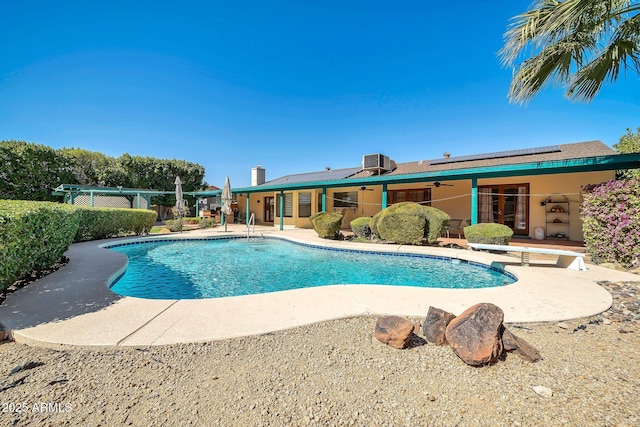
(324, 199)
(197, 207)
(474, 200)
(281, 210)
(246, 211)
(384, 196)
(147, 198)
(138, 200)
(91, 198)
(73, 198)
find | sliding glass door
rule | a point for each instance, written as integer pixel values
(505, 204)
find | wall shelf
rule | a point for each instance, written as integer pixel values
(557, 217)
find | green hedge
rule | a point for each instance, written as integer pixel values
(102, 223)
(409, 223)
(492, 234)
(327, 225)
(33, 236)
(207, 223)
(361, 227)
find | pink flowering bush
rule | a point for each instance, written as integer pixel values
(611, 222)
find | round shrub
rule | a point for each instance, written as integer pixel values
(409, 223)
(488, 233)
(361, 227)
(327, 225)
(173, 225)
(207, 223)
(610, 215)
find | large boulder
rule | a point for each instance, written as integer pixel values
(394, 331)
(435, 325)
(475, 335)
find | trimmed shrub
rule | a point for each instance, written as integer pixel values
(173, 225)
(207, 223)
(488, 233)
(30, 171)
(327, 225)
(361, 227)
(610, 215)
(409, 223)
(33, 236)
(102, 223)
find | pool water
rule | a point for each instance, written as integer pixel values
(229, 267)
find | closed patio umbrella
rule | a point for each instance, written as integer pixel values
(180, 203)
(226, 201)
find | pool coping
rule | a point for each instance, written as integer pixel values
(74, 305)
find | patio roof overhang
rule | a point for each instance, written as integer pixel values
(67, 189)
(588, 164)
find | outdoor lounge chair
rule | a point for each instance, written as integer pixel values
(453, 226)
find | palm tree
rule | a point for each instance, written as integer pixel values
(577, 44)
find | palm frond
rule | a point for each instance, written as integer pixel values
(622, 52)
(524, 29)
(591, 38)
(553, 65)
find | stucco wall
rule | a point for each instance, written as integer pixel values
(455, 200)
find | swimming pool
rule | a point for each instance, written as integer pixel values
(220, 267)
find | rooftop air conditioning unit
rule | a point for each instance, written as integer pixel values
(376, 162)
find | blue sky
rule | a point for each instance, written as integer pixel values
(293, 86)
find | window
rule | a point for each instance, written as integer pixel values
(288, 205)
(347, 199)
(505, 204)
(421, 196)
(304, 205)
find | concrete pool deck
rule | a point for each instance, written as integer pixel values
(74, 305)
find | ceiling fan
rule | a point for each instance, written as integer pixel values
(439, 184)
(363, 188)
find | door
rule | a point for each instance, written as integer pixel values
(268, 209)
(505, 204)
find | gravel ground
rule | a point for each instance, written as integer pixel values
(335, 373)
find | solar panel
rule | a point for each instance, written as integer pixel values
(498, 155)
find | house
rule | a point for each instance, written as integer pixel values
(528, 190)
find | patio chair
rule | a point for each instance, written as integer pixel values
(452, 226)
(465, 223)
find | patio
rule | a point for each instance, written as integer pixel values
(74, 305)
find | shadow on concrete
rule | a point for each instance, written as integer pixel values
(80, 287)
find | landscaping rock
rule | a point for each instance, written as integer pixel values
(520, 347)
(475, 335)
(435, 325)
(394, 331)
(543, 391)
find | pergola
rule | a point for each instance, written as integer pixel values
(71, 191)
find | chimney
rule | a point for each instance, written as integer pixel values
(447, 155)
(257, 175)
